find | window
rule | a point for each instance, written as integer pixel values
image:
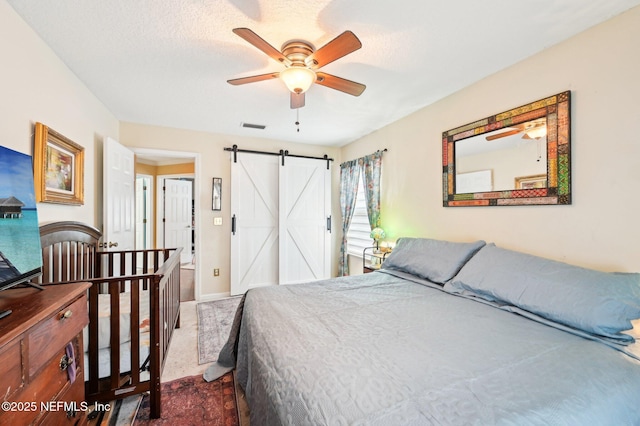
(358, 234)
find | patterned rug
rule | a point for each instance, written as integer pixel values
(214, 323)
(192, 401)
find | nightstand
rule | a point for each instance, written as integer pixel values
(372, 258)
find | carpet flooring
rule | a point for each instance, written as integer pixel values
(214, 323)
(193, 401)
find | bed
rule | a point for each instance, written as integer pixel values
(444, 333)
(134, 306)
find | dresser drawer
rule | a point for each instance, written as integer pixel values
(50, 384)
(10, 376)
(73, 413)
(51, 335)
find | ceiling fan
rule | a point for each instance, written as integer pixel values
(302, 63)
(534, 129)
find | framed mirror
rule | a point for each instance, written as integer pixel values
(517, 157)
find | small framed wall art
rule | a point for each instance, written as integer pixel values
(58, 168)
(216, 197)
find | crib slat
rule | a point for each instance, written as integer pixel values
(114, 344)
(145, 268)
(155, 349)
(91, 386)
(135, 331)
(109, 264)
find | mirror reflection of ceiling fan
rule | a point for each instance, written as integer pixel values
(302, 63)
(534, 129)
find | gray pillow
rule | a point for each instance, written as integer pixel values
(597, 302)
(434, 260)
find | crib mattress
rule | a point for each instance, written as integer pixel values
(104, 319)
(104, 357)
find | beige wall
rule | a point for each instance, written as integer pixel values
(213, 242)
(35, 85)
(177, 169)
(600, 229)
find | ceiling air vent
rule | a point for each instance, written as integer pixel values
(253, 126)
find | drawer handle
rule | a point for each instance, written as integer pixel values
(66, 315)
(65, 362)
(71, 413)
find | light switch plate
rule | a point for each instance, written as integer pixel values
(217, 221)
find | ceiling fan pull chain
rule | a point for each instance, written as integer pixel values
(298, 120)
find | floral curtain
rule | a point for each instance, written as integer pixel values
(372, 167)
(349, 177)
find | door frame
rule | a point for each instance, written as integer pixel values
(197, 176)
(150, 214)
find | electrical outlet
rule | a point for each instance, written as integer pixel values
(217, 221)
(216, 272)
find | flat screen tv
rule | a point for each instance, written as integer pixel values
(20, 249)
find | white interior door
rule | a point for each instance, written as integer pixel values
(177, 216)
(118, 196)
(305, 210)
(254, 210)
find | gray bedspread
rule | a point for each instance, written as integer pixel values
(378, 349)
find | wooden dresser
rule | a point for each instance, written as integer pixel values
(35, 385)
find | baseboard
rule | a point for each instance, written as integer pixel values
(213, 296)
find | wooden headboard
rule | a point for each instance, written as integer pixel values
(68, 251)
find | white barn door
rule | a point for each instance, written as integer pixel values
(254, 222)
(280, 218)
(305, 213)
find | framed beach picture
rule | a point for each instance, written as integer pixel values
(20, 249)
(58, 168)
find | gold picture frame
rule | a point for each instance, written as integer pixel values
(58, 168)
(531, 182)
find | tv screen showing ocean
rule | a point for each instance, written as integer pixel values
(19, 232)
(20, 241)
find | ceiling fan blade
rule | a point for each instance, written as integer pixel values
(503, 134)
(341, 84)
(340, 46)
(253, 78)
(297, 100)
(259, 42)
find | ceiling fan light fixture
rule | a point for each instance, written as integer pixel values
(298, 79)
(537, 133)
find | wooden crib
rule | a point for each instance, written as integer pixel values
(70, 252)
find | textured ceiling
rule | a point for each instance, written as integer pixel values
(166, 62)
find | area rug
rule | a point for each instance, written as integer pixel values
(193, 401)
(214, 324)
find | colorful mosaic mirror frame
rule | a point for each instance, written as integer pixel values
(557, 110)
